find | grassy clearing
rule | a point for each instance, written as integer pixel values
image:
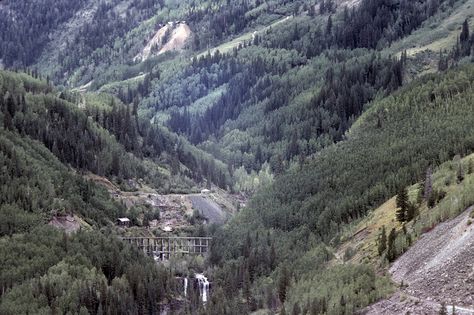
(228, 46)
(438, 33)
(202, 104)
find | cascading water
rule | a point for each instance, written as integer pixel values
(203, 286)
(186, 287)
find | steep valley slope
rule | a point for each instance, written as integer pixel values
(437, 269)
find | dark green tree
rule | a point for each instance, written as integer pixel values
(442, 309)
(382, 241)
(296, 309)
(411, 212)
(464, 37)
(391, 251)
(329, 25)
(460, 173)
(283, 283)
(402, 204)
(428, 184)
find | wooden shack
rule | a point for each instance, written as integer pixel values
(123, 222)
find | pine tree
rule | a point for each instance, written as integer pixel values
(7, 121)
(411, 211)
(428, 184)
(283, 283)
(442, 310)
(391, 251)
(419, 194)
(315, 309)
(329, 26)
(272, 259)
(296, 309)
(322, 7)
(402, 204)
(443, 62)
(464, 37)
(246, 286)
(382, 245)
(460, 173)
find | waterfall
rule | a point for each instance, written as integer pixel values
(203, 286)
(186, 286)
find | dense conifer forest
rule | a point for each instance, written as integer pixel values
(310, 108)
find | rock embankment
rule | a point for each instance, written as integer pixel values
(438, 268)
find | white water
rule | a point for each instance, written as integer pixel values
(203, 286)
(185, 286)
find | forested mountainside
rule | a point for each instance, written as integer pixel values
(289, 78)
(421, 125)
(44, 270)
(321, 110)
(104, 137)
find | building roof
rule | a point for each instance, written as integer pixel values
(123, 220)
(167, 228)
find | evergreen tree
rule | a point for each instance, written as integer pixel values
(382, 244)
(419, 193)
(322, 7)
(283, 284)
(402, 204)
(442, 309)
(391, 251)
(443, 62)
(460, 173)
(464, 37)
(296, 309)
(428, 184)
(272, 258)
(246, 287)
(411, 212)
(329, 26)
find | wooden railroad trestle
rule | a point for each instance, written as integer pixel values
(163, 248)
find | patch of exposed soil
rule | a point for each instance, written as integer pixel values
(67, 223)
(208, 208)
(170, 37)
(112, 188)
(175, 209)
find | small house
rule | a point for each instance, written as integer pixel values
(167, 228)
(123, 222)
(205, 192)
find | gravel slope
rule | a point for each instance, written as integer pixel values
(208, 208)
(440, 264)
(439, 267)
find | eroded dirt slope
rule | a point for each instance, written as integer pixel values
(438, 268)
